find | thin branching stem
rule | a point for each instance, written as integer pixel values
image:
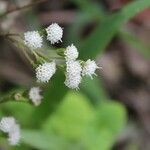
(23, 7)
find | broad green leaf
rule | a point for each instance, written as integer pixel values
(111, 116)
(105, 31)
(103, 131)
(43, 141)
(98, 139)
(76, 120)
(71, 117)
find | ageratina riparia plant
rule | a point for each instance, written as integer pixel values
(45, 65)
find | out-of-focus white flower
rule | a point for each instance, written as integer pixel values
(9, 125)
(54, 33)
(45, 71)
(6, 124)
(89, 68)
(34, 95)
(33, 39)
(3, 7)
(71, 53)
(73, 74)
(14, 135)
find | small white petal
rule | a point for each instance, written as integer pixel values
(71, 53)
(6, 124)
(33, 39)
(14, 135)
(89, 68)
(9, 125)
(45, 71)
(73, 74)
(34, 95)
(54, 33)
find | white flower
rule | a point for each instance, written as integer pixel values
(45, 71)
(34, 95)
(33, 39)
(54, 33)
(14, 135)
(9, 125)
(71, 53)
(73, 74)
(6, 124)
(89, 68)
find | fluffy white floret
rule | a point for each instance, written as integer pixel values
(14, 135)
(33, 39)
(45, 71)
(54, 33)
(9, 125)
(89, 68)
(6, 124)
(73, 74)
(34, 95)
(71, 53)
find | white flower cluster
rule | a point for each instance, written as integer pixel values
(73, 74)
(89, 68)
(45, 71)
(54, 33)
(71, 53)
(74, 70)
(34, 95)
(34, 40)
(9, 125)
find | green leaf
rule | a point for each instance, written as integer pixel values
(105, 31)
(110, 119)
(43, 141)
(71, 117)
(111, 116)
(76, 120)
(98, 139)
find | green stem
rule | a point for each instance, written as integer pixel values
(20, 45)
(17, 95)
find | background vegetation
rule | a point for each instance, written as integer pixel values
(109, 112)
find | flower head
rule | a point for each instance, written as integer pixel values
(14, 135)
(73, 74)
(9, 125)
(71, 53)
(89, 68)
(34, 95)
(54, 33)
(33, 39)
(6, 124)
(45, 71)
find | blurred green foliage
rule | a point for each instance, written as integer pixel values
(86, 120)
(78, 124)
